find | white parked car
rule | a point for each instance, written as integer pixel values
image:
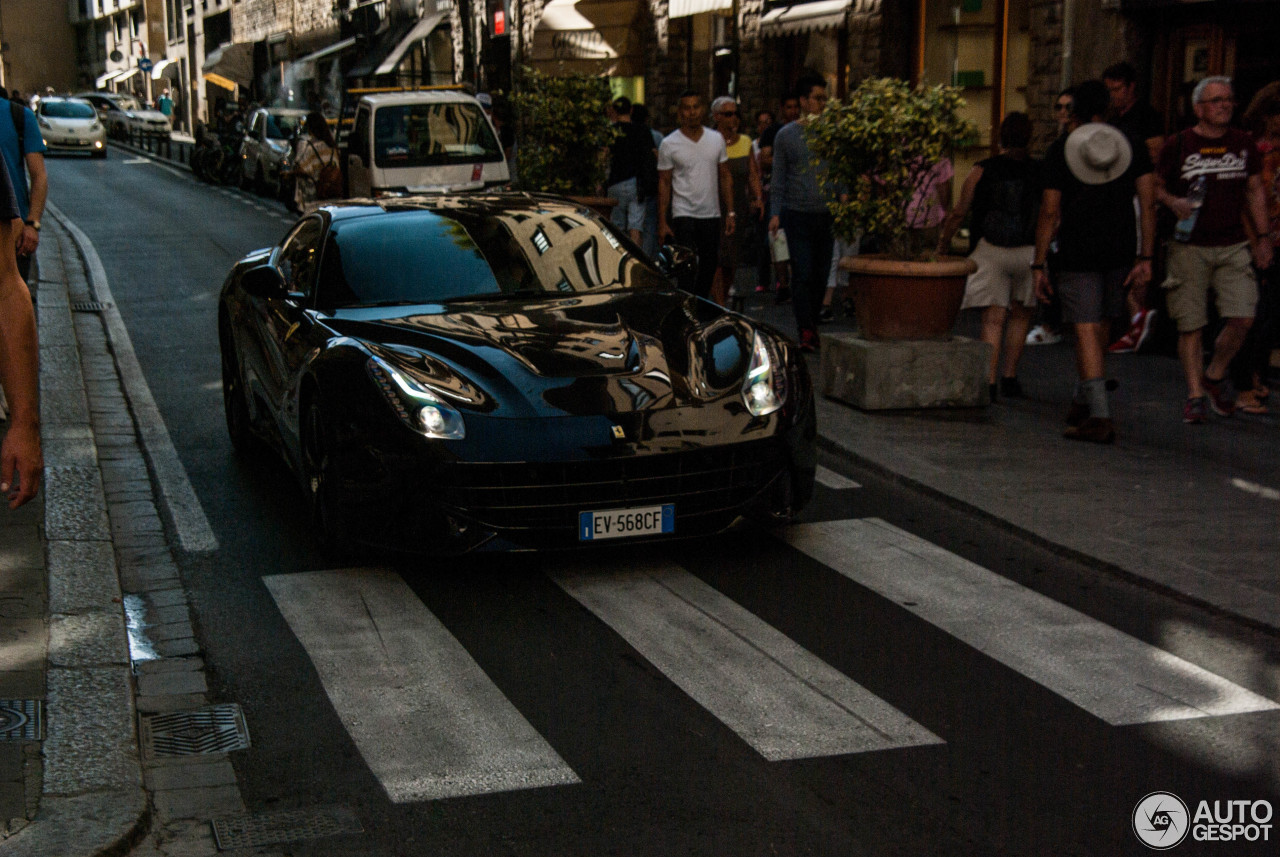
(267, 146)
(124, 115)
(71, 125)
(422, 142)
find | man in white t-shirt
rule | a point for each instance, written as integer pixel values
(693, 182)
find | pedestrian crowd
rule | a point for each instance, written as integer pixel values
(1114, 228)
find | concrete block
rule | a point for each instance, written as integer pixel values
(905, 374)
(209, 802)
(171, 683)
(167, 703)
(191, 773)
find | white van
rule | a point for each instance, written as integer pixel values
(420, 142)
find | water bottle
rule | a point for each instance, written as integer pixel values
(1195, 196)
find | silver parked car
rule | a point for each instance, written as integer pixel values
(267, 146)
(124, 115)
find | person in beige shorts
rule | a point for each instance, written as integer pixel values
(1212, 249)
(1004, 195)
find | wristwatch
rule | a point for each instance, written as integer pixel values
(34, 224)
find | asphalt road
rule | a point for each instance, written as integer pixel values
(760, 693)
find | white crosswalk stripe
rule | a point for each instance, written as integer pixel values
(831, 479)
(427, 720)
(782, 700)
(1112, 675)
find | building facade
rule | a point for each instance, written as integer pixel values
(37, 48)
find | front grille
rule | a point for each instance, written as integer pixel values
(548, 496)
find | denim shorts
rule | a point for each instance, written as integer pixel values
(629, 212)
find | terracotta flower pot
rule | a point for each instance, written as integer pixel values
(907, 300)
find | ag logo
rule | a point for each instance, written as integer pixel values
(1160, 820)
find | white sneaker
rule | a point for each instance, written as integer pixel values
(1041, 335)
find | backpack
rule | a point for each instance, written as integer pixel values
(329, 179)
(1007, 203)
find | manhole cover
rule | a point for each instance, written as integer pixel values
(21, 719)
(273, 828)
(216, 729)
(89, 306)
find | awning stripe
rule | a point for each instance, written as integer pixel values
(685, 8)
(804, 18)
(420, 31)
(219, 80)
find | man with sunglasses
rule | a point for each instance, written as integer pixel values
(1218, 250)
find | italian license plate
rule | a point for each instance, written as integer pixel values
(622, 523)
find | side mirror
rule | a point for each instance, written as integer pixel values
(264, 282)
(679, 263)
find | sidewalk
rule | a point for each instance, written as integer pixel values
(1191, 510)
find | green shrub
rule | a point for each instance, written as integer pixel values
(561, 132)
(880, 145)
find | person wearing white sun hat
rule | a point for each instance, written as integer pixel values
(1091, 178)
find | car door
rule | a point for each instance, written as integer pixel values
(287, 321)
(360, 155)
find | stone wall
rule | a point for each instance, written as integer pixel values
(255, 20)
(39, 48)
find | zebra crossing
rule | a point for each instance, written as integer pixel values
(430, 723)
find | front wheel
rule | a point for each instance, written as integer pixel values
(320, 478)
(235, 404)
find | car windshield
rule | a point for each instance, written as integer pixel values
(282, 127)
(67, 110)
(432, 135)
(419, 256)
(127, 102)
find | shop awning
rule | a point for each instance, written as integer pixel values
(125, 75)
(420, 31)
(328, 51)
(685, 8)
(233, 61)
(588, 36)
(804, 18)
(103, 79)
(159, 69)
(219, 80)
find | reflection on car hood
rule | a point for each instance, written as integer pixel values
(575, 355)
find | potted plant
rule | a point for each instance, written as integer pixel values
(561, 135)
(880, 145)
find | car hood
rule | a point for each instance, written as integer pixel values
(583, 354)
(70, 124)
(148, 115)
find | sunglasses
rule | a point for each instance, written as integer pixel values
(727, 113)
(1061, 106)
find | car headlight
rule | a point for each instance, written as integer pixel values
(764, 389)
(420, 408)
(95, 128)
(43, 123)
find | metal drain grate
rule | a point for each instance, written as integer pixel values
(21, 719)
(274, 828)
(89, 306)
(216, 729)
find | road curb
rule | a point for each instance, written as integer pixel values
(93, 800)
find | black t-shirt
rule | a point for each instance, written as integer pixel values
(1098, 229)
(628, 153)
(1006, 201)
(1140, 124)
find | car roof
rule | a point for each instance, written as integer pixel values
(475, 204)
(428, 96)
(283, 111)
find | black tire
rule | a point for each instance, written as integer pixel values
(101, 156)
(260, 182)
(235, 404)
(320, 480)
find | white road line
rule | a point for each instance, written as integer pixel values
(779, 698)
(179, 498)
(1254, 488)
(133, 161)
(427, 720)
(1112, 675)
(831, 479)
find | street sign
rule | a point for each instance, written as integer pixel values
(144, 64)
